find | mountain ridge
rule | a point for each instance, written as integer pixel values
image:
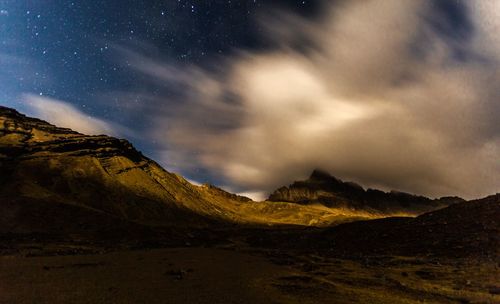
(43, 163)
(323, 188)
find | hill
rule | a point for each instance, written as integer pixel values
(468, 229)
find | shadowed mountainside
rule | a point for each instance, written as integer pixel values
(322, 188)
(467, 229)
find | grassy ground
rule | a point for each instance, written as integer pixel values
(210, 275)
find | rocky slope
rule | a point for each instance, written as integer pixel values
(463, 229)
(44, 162)
(466, 229)
(322, 188)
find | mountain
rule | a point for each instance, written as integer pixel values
(57, 181)
(100, 173)
(49, 175)
(322, 188)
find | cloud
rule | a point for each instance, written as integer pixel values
(66, 115)
(394, 94)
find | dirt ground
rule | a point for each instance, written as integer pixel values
(221, 275)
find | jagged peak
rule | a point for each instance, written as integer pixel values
(322, 175)
(319, 174)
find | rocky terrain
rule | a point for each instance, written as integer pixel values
(327, 190)
(468, 229)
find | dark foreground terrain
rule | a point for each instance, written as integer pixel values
(447, 256)
(223, 275)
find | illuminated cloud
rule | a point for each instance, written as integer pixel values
(66, 115)
(387, 93)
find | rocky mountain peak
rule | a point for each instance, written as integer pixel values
(320, 175)
(323, 188)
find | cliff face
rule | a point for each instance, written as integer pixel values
(327, 190)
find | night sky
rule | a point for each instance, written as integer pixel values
(67, 44)
(177, 78)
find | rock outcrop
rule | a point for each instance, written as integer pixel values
(327, 190)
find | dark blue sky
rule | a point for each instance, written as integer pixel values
(64, 47)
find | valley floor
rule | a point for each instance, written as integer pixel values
(242, 275)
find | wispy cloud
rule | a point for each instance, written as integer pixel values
(384, 94)
(63, 114)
